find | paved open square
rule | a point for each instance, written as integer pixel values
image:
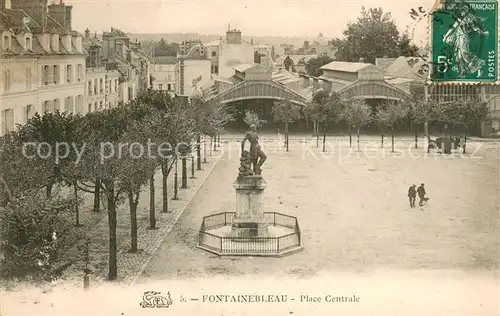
(353, 211)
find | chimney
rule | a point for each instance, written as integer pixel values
(87, 34)
(233, 36)
(109, 44)
(129, 56)
(62, 14)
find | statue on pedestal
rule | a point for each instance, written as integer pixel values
(255, 155)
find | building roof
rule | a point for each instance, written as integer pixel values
(344, 66)
(165, 60)
(405, 67)
(384, 63)
(295, 58)
(243, 67)
(284, 76)
(221, 79)
(212, 43)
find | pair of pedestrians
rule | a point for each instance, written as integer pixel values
(412, 195)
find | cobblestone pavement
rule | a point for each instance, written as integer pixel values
(129, 264)
(353, 212)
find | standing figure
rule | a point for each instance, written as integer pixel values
(458, 37)
(412, 195)
(421, 195)
(257, 155)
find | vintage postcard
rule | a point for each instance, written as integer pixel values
(229, 157)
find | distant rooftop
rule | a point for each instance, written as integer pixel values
(344, 66)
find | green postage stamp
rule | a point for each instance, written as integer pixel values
(464, 42)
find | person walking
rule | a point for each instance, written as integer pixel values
(412, 195)
(421, 195)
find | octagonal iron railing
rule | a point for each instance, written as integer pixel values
(249, 245)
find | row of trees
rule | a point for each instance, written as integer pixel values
(112, 154)
(329, 109)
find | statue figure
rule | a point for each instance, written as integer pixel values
(257, 156)
(245, 168)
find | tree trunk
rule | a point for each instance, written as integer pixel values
(164, 173)
(317, 134)
(198, 153)
(133, 223)
(152, 213)
(215, 143)
(286, 135)
(97, 195)
(77, 210)
(324, 138)
(392, 138)
(416, 135)
(204, 148)
(112, 264)
(49, 190)
(358, 136)
(184, 172)
(350, 136)
(211, 141)
(176, 182)
(382, 141)
(465, 141)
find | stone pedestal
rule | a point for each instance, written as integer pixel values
(249, 220)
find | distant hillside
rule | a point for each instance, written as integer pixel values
(179, 37)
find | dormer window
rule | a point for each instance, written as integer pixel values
(28, 43)
(6, 42)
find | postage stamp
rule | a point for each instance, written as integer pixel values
(464, 42)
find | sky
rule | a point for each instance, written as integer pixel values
(253, 18)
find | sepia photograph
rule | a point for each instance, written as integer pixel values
(269, 157)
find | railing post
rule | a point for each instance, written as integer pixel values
(278, 243)
(274, 215)
(221, 244)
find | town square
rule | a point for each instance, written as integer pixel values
(233, 173)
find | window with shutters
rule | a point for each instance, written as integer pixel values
(50, 74)
(116, 85)
(29, 79)
(45, 75)
(57, 74)
(46, 106)
(69, 73)
(89, 107)
(28, 112)
(89, 85)
(100, 105)
(95, 86)
(101, 86)
(79, 74)
(56, 105)
(6, 80)
(8, 120)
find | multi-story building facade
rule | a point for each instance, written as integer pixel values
(134, 67)
(40, 70)
(101, 82)
(164, 73)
